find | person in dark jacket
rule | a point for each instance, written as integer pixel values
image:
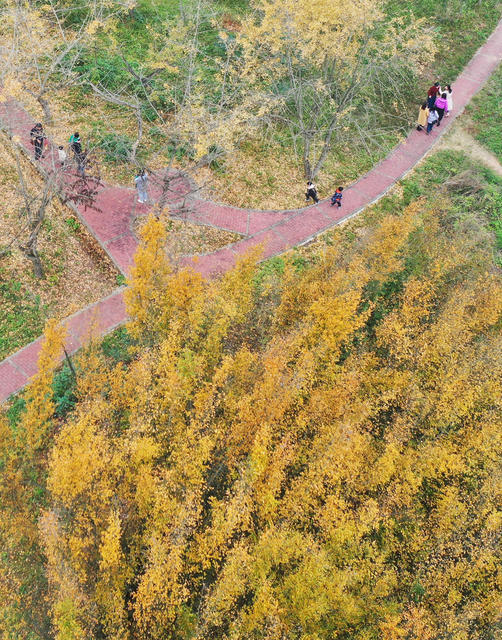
(37, 138)
(76, 144)
(432, 94)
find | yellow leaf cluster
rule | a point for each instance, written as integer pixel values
(316, 462)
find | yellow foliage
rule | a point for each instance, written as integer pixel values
(148, 283)
(37, 419)
(315, 462)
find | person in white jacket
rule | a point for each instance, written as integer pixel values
(141, 181)
(449, 98)
(432, 118)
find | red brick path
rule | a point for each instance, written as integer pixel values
(276, 230)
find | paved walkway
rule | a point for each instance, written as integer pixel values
(115, 208)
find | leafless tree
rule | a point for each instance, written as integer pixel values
(34, 210)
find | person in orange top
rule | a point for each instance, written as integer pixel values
(336, 198)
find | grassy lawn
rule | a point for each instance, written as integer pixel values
(77, 272)
(485, 122)
(460, 27)
(470, 195)
(485, 112)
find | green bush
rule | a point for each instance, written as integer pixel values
(116, 147)
(63, 387)
(116, 346)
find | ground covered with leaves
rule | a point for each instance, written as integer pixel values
(77, 270)
(186, 238)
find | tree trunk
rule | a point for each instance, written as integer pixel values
(49, 120)
(307, 169)
(32, 254)
(326, 147)
(134, 148)
(183, 14)
(30, 250)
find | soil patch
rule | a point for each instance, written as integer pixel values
(461, 140)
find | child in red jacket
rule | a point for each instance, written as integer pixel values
(336, 198)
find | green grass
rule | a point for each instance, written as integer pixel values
(485, 204)
(22, 316)
(472, 191)
(484, 201)
(486, 113)
(460, 28)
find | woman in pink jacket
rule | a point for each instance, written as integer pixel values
(441, 107)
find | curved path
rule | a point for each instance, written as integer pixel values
(111, 221)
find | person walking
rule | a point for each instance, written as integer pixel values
(441, 106)
(336, 198)
(449, 98)
(37, 139)
(62, 156)
(432, 94)
(76, 144)
(311, 192)
(141, 181)
(432, 118)
(423, 114)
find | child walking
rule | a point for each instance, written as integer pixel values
(311, 192)
(432, 118)
(336, 198)
(423, 114)
(62, 156)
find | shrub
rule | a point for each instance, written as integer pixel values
(116, 147)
